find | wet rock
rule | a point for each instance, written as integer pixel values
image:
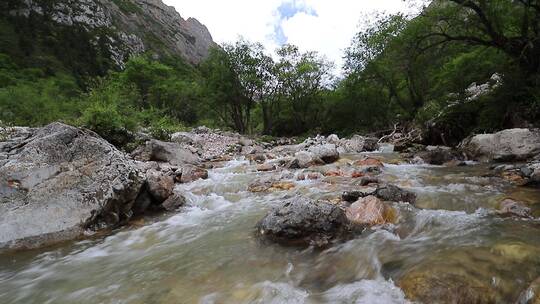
(353, 196)
(281, 186)
(369, 162)
(259, 187)
(60, 180)
(309, 176)
(515, 177)
(507, 145)
(334, 173)
(531, 295)
(301, 221)
(258, 157)
(190, 173)
(172, 153)
(160, 186)
(266, 167)
(509, 207)
(173, 202)
(367, 180)
(441, 286)
(143, 202)
(395, 194)
(370, 211)
(439, 155)
(327, 153)
(304, 159)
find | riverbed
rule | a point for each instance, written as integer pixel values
(210, 253)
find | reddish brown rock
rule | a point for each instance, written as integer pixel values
(371, 211)
(369, 162)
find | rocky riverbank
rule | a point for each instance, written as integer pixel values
(61, 183)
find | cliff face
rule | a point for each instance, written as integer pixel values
(123, 27)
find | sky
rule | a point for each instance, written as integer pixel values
(326, 26)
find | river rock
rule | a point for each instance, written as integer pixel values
(173, 202)
(509, 207)
(357, 144)
(301, 221)
(160, 186)
(369, 162)
(266, 167)
(327, 153)
(395, 194)
(60, 181)
(438, 155)
(370, 211)
(532, 294)
(507, 145)
(190, 173)
(304, 159)
(169, 152)
(441, 286)
(353, 196)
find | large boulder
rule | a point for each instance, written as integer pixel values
(357, 144)
(60, 180)
(327, 153)
(507, 145)
(439, 155)
(304, 159)
(169, 152)
(301, 221)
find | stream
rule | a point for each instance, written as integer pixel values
(209, 252)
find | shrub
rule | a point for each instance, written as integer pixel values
(109, 113)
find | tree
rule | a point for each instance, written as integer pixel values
(300, 79)
(253, 68)
(512, 26)
(223, 90)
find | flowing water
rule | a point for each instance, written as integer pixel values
(208, 253)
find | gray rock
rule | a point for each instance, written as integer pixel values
(327, 153)
(439, 155)
(174, 202)
(357, 144)
(172, 153)
(304, 222)
(395, 194)
(304, 159)
(160, 186)
(509, 207)
(507, 145)
(60, 181)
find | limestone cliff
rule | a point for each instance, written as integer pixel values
(123, 27)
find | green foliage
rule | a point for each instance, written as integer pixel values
(39, 102)
(109, 113)
(128, 6)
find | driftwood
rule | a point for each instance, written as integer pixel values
(401, 135)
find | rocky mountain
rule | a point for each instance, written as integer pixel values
(116, 29)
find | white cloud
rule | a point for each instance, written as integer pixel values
(321, 25)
